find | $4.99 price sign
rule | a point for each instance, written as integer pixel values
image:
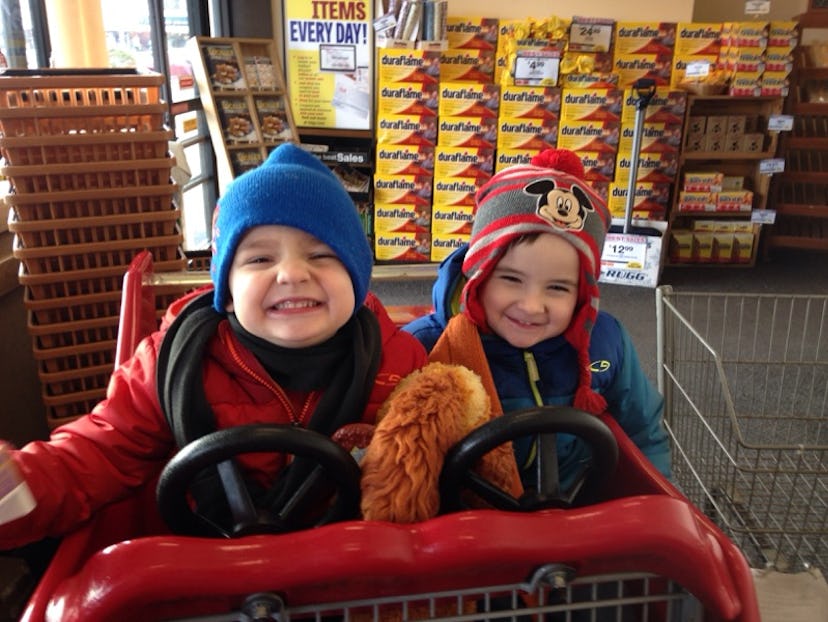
(537, 67)
(623, 250)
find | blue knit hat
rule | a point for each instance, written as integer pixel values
(295, 189)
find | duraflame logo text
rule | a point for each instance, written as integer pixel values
(450, 243)
(396, 241)
(638, 33)
(526, 97)
(455, 216)
(405, 125)
(460, 59)
(402, 93)
(460, 94)
(509, 159)
(403, 61)
(410, 156)
(466, 158)
(464, 28)
(454, 186)
(700, 33)
(520, 128)
(584, 130)
(656, 101)
(585, 98)
(394, 184)
(397, 212)
(637, 63)
(620, 193)
(460, 126)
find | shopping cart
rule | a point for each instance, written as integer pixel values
(643, 553)
(745, 379)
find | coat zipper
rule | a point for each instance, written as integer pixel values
(534, 379)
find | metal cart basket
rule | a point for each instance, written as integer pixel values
(745, 380)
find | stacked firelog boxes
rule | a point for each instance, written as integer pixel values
(86, 154)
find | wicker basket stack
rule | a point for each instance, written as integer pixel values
(86, 153)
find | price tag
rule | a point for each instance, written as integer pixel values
(780, 123)
(697, 69)
(763, 216)
(757, 7)
(771, 166)
(625, 250)
(590, 36)
(537, 67)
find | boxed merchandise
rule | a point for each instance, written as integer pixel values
(407, 130)
(401, 247)
(452, 220)
(471, 162)
(537, 134)
(472, 33)
(753, 142)
(677, 76)
(736, 124)
(703, 246)
(469, 99)
(715, 142)
(469, 65)
(697, 201)
(734, 201)
(779, 60)
(402, 218)
(598, 166)
(468, 132)
(717, 125)
(407, 65)
(408, 98)
(681, 246)
(657, 167)
(632, 67)
(513, 157)
(666, 106)
(644, 37)
(654, 137)
(698, 39)
(530, 102)
(454, 191)
(723, 243)
(403, 189)
(703, 181)
(696, 124)
(775, 83)
(649, 200)
(444, 244)
(783, 34)
(590, 136)
(745, 34)
(591, 80)
(404, 160)
(592, 105)
(732, 182)
(743, 242)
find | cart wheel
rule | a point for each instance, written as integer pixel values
(319, 453)
(544, 422)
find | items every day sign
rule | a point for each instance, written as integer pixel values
(328, 58)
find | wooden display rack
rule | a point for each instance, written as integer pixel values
(242, 89)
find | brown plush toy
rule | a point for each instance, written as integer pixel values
(428, 412)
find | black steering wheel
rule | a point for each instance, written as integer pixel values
(328, 464)
(458, 473)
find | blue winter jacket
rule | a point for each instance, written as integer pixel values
(616, 374)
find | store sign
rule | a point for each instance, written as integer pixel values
(769, 166)
(757, 7)
(328, 60)
(780, 123)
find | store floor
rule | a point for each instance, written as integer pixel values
(785, 273)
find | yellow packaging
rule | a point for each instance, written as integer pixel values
(452, 219)
(598, 166)
(444, 244)
(681, 246)
(698, 39)
(512, 157)
(746, 34)
(783, 34)
(401, 247)
(697, 201)
(403, 189)
(632, 67)
(732, 182)
(468, 132)
(655, 137)
(742, 227)
(402, 218)
(469, 65)
(407, 65)
(472, 33)
(779, 59)
(592, 80)
(723, 244)
(666, 106)
(407, 130)
(534, 134)
(775, 83)
(408, 98)
(469, 99)
(745, 59)
(404, 160)
(703, 181)
(734, 201)
(454, 191)
(644, 37)
(590, 136)
(680, 65)
(743, 246)
(703, 246)
(472, 162)
(649, 200)
(592, 105)
(745, 84)
(658, 167)
(530, 102)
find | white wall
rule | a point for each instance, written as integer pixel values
(629, 11)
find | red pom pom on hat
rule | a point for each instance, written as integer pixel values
(562, 160)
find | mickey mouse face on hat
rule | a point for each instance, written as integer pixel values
(564, 208)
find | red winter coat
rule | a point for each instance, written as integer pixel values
(125, 442)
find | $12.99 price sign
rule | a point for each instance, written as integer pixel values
(624, 250)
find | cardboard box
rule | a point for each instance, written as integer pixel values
(470, 162)
(535, 134)
(467, 65)
(681, 246)
(407, 65)
(702, 181)
(468, 132)
(644, 37)
(407, 130)
(753, 142)
(530, 102)
(469, 99)
(403, 189)
(696, 201)
(512, 157)
(401, 247)
(697, 124)
(472, 33)
(454, 191)
(452, 220)
(444, 244)
(703, 246)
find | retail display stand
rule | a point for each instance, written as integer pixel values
(86, 153)
(242, 89)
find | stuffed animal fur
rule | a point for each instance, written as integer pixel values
(426, 414)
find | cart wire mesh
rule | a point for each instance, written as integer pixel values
(745, 382)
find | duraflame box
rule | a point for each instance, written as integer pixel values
(404, 189)
(649, 200)
(659, 167)
(471, 65)
(702, 181)
(632, 67)
(592, 105)
(698, 39)
(404, 160)
(452, 219)
(667, 105)
(454, 191)
(680, 65)
(537, 134)
(530, 102)
(697, 201)
(471, 162)
(586, 62)
(595, 136)
(402, 218)
(513, 157)
(407, 65)
(598, 166)
(401, 247)
(444, 244)
(681, 246)
(468, 132)
(407, 130)
(655, 137)
(591, 80)
(644, 37)
(472, 33)
(408, 98)
(469, 99)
